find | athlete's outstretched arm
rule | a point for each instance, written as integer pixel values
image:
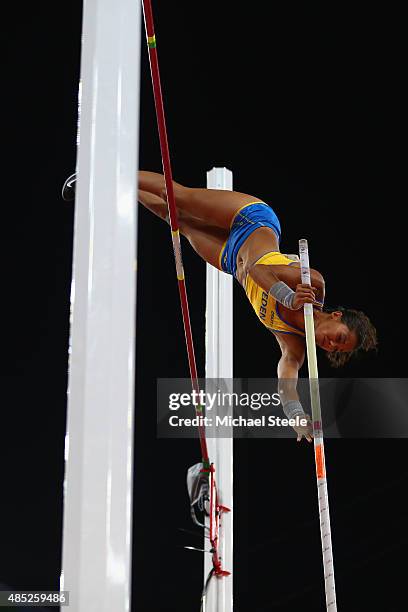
(293, 355)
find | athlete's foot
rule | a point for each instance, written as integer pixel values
(68, 190)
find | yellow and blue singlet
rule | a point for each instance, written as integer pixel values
(267, 309)
(246, 220)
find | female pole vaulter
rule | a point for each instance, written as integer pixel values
(240, 235)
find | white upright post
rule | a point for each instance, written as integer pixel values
(219, 364)
(96, 564)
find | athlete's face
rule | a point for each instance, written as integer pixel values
(333, 335)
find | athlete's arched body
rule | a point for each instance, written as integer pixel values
(240, 235)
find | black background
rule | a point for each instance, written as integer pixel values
(304, 103)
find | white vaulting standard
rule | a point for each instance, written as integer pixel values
(219, 365)
(96, 565)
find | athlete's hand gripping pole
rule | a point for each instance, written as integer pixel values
(323, 498)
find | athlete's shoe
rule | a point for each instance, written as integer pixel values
(68, 190)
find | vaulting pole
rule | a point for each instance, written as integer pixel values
(323, 498)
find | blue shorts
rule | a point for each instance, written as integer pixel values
(246, 220)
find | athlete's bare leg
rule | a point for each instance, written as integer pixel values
(206, 240)
(155, 204)
(158, 206)
(214, 206)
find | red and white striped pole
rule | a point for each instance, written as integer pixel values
(171, 203)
